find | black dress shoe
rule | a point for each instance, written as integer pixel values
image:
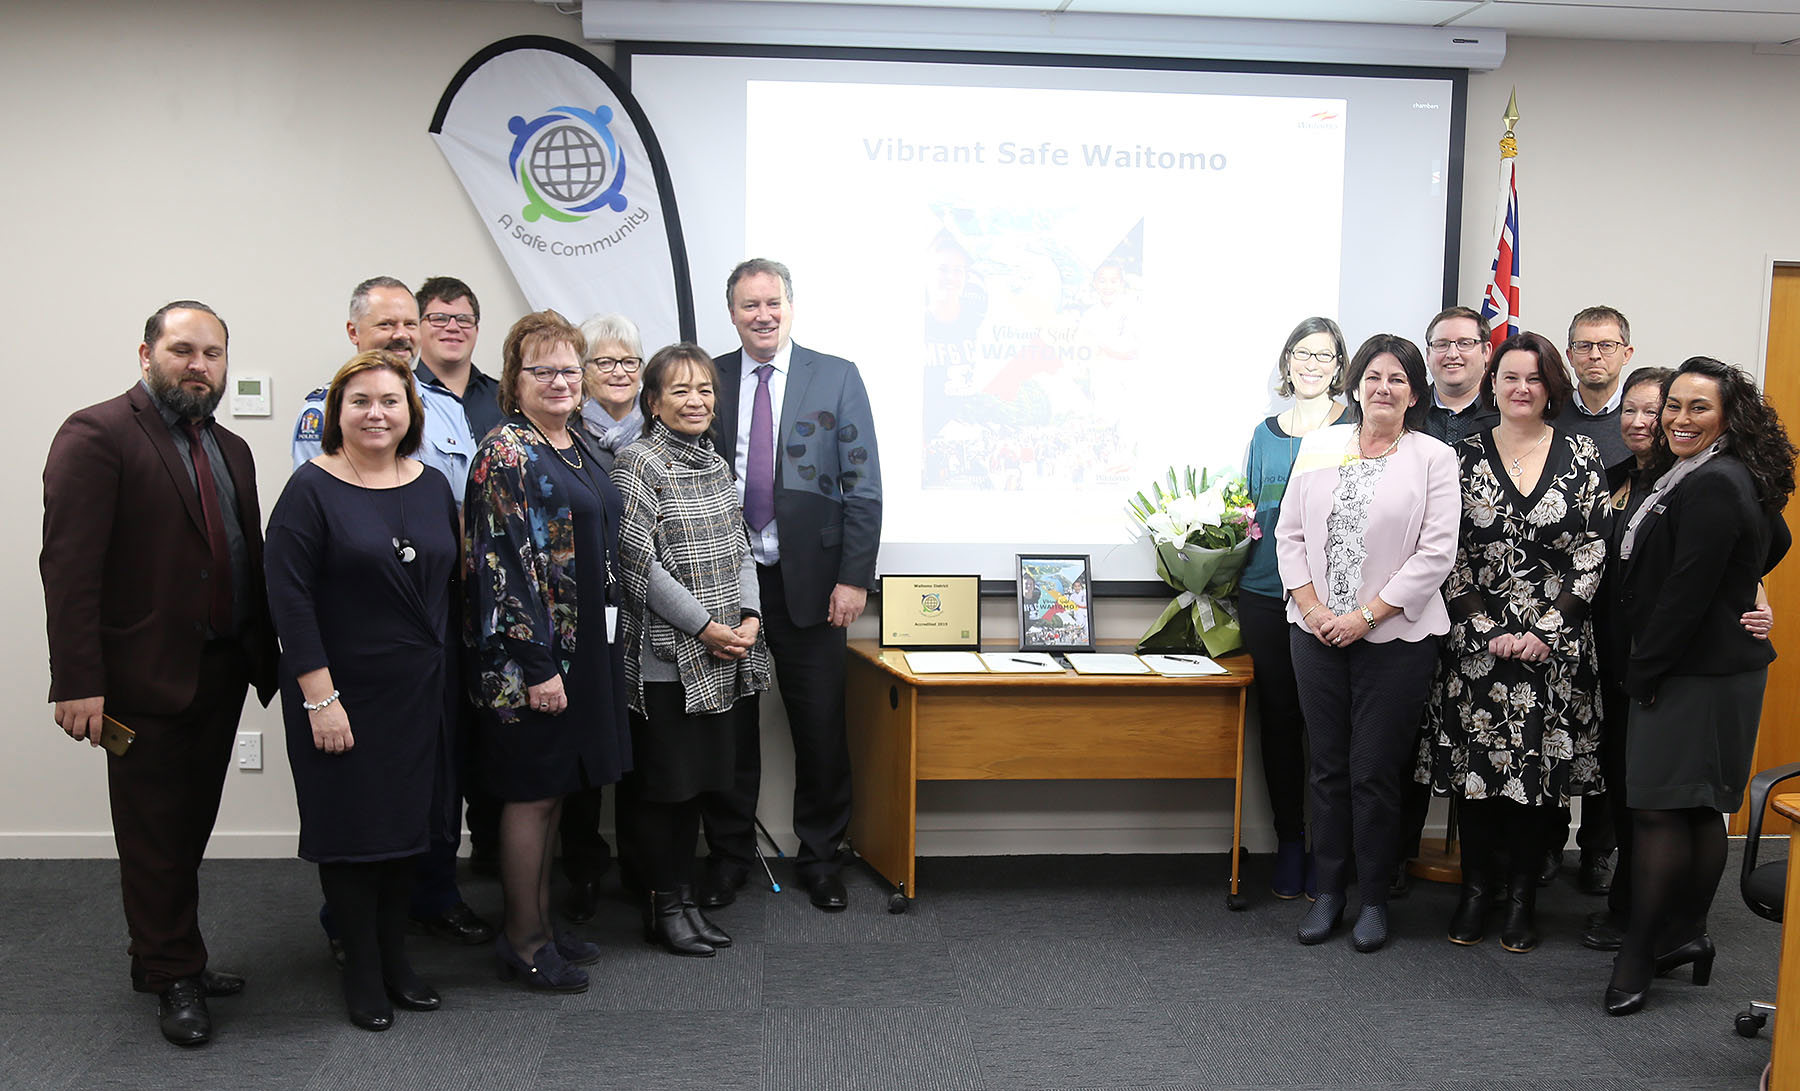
(181, 1011)
(1400, 885)
(1603, 933)
(220, 983)
(583, 902)
(1552, 865)
(458, 924)
(720, 885)
(414, 995)
(827, 891)
(1596, 873)
(1620, 1002)
(376, 1020)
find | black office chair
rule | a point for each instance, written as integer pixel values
(1764, 887)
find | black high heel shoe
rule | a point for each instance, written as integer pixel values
(1620, 1002)
(1699, 951)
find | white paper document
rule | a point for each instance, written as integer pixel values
(1021, 663)
(945, 663)
(1183, 666)
(1107, 663)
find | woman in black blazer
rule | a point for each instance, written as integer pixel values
(1690, 559)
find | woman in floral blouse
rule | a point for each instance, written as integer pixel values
(1514, 722)
(541, 548)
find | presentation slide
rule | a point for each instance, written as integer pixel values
(1053, 292)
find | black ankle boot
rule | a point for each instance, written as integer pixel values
(666, 923)
(1518, 932)
(705, 929)
(1468, 925)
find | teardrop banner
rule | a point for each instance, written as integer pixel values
(564, 170)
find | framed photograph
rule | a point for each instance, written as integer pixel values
(931, 612)
(1056, 611)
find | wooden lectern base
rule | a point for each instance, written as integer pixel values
(1438, 863)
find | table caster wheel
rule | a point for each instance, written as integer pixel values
(1749, 1022)
(1236, 902)
(898, 902)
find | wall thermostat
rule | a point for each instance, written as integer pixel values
(250, 396)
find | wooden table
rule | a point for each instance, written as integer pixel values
(905, 728)
(1785, 1063)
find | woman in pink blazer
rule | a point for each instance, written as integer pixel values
(1366, 538)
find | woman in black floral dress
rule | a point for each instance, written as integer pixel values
(1515, 719)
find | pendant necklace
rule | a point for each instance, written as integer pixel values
(1515, 469)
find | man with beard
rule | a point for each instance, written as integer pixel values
(153, 594)
(384, 315)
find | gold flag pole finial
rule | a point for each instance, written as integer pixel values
(1509, 147)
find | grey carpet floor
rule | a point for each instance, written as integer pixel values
(1098, 972)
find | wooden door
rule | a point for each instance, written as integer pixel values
(1778, 741)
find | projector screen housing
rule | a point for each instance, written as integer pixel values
(1058, 275)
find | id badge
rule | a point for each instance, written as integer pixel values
(612, 624)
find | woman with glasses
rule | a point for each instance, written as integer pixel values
(615, 358)
(611, 419)
(1311, 367)
(541, 549)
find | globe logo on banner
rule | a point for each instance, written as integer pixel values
(568, 164)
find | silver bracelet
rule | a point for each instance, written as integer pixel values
(310, 707)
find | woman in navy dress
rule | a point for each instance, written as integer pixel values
(361, 565)
(542, 565)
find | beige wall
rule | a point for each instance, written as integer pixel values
(265, 157)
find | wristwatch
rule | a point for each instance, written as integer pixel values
(1369, 616)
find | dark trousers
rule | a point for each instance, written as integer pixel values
(1616, 707)
(1362, 706)
(1263, 621)
(165, 796)
(809, 664)
(585, 854)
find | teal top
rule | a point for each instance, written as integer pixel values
(1266, 470)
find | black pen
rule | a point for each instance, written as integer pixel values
(1186, 659)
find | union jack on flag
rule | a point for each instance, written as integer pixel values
(1500, 301)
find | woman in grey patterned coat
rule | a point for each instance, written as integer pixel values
(692, 632)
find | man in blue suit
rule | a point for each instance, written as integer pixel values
(796, 426)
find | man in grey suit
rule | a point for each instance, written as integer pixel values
(796, 426)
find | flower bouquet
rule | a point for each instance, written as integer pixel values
(1202, 528)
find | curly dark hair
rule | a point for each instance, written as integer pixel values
(1758, 438)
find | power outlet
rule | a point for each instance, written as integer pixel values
(249, 750)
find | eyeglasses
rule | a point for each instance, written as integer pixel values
(548, 375)
(627, 364)
(1300, 356)
(1463, 344)
(1607, 348)
(439, 320)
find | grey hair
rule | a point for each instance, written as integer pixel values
(616, 328)
(758, 267)
(359, 298)
(1594, 316)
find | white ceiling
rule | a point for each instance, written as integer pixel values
(1767, 22)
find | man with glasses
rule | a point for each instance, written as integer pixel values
(1599, 349)
(1457, 354)
(384, 315)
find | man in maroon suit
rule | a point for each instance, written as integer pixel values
(153, 592)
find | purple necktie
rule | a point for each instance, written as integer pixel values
(759, 461)
(219, 613)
